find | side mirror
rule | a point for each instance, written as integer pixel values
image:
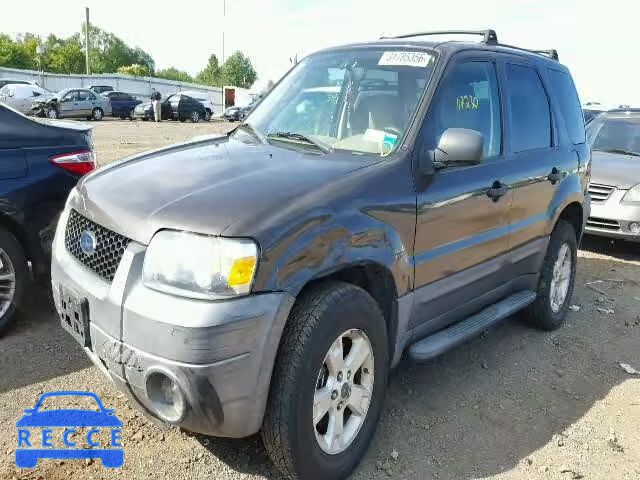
(457, 146)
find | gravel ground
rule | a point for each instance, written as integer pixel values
(514, 403)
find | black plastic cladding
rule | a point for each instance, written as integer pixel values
(110, 246)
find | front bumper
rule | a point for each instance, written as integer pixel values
(220, 354)
(612, 218)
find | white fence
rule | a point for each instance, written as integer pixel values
(140, 87)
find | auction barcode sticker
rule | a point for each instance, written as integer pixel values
(409, 59)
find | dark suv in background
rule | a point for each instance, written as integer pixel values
(388, 196)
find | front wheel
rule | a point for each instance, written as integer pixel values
(52, 113)
(13, 277)
(557, 279)
(195, 116)
(328, 383)
(207, 115)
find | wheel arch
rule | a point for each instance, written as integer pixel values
(374, 278)
(20, 234)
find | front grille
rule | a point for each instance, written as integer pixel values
(110, 246)
(603, 223)
(600, 193)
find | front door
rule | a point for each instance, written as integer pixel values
(69, 104)
(463, 213)
(86, 101)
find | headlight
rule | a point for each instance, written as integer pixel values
(199, 266)
(633, 195)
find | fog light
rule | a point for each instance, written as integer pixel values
(634, 228)
(166, 397)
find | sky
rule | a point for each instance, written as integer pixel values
(598, 41)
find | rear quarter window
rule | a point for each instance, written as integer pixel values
(565, 92)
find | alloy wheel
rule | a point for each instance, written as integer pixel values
(561, 278)
(344, 389)
(7, 282)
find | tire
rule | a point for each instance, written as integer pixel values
(144, 119)
(13, 261)
(182, 119)
(97, 114)
(543, 313)
(207, 115)
(52, 113)
(195, 116)
(123, 117)
(316, 323)
(132, 115)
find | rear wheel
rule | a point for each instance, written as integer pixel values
(14, 277)
(557, 279)
(328, 383)
(97, 114)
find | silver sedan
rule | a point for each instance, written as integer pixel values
(615, 180)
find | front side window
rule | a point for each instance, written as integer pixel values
(468, 97)
(359, 100)
(615, 134)
(530, 118)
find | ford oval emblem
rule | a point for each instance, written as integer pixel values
(88, 242)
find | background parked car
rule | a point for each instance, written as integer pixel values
(235, 114)
(7, 81)
(40, 162)
(100, 88)
(174, 107)
(122, 104)
(204, 100)
(615, 180)
(21, 96)
(74, 102)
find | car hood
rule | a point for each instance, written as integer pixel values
(621, 171)
(204, 186)
(69, 418)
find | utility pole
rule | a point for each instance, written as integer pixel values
(224, 15)
(86, 40)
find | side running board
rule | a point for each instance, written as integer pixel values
(438, 343)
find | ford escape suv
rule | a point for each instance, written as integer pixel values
(390, 196)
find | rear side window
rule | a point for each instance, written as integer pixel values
(530, 118)
(565, 92)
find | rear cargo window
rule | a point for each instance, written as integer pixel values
(565, 92)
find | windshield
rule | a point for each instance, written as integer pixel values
(359, 100)
(615, 134)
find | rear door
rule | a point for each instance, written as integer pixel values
(537, 163)
(461, 231)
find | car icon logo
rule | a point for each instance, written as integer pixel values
(88, 242)
(36, 433)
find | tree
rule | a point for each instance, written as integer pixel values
(15, 54)
(237, 70)
(211, 74)
(108, 52)
(63, 55)
(135, 70)
(173, 73)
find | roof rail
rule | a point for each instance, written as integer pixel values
(552, 54)
(489, 36)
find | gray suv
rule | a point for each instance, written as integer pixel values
(393, 196)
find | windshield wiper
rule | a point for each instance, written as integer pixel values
(617, 150)
(301, 138)
(251, 130)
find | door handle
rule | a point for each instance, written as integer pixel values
(497, 190)
(554, 176)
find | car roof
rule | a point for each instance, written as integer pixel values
(619, 112)
(447, 46)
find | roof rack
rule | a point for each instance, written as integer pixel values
(489, 36)
(552, 54)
